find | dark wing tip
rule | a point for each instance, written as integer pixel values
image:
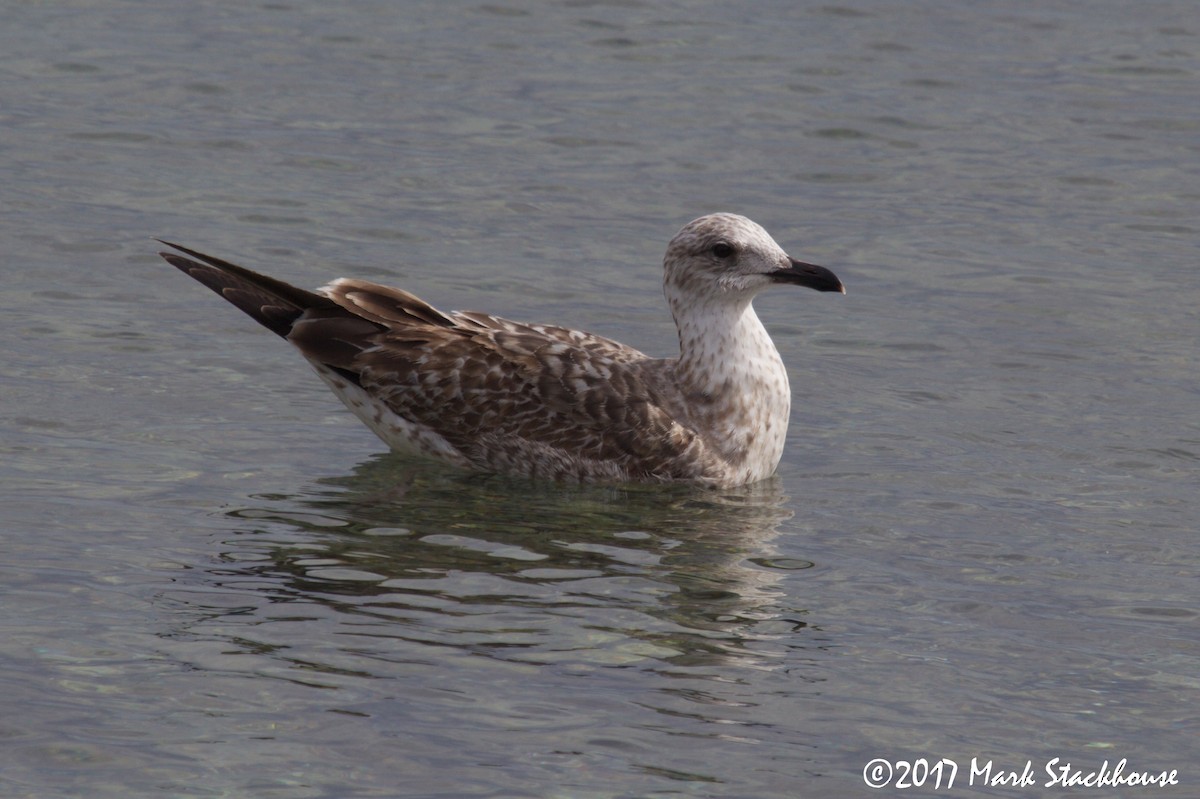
(272, 303)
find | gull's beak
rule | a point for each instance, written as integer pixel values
(811, 275)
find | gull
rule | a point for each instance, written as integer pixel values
(490, 394)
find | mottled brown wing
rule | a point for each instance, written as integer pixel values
(588, 341)
(497, 396)
(498, 390)
(537, 399)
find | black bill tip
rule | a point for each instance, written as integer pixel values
(810, 275)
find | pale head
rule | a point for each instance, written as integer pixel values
(726, 256)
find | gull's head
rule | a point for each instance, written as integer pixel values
(728, 256)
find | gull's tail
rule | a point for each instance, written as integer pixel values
(272, 303)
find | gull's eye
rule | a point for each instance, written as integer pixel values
(722, 249)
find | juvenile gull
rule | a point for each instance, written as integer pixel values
(487, 393)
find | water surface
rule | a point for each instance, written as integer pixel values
(980, 544)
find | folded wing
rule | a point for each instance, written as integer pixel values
(509, 396)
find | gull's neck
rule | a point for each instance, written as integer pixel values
(733, 380)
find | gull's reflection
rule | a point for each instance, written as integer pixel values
(404, 552)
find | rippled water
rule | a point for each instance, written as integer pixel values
(981, 543)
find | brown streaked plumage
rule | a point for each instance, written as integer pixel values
(487, 393)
